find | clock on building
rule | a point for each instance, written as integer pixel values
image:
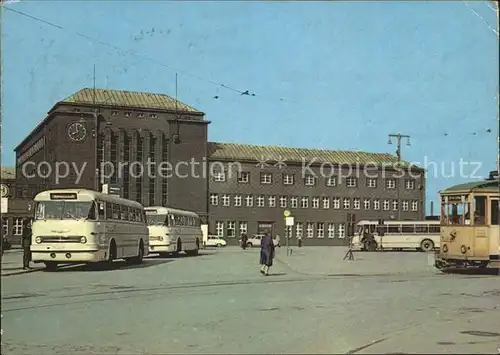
(77, 131)
(4, 190)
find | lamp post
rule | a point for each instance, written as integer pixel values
(398, 136)
(97, 127)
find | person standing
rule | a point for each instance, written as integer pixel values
(278, 241)
(26, 243)
(299, 241)
(244, 240)
(266, 254)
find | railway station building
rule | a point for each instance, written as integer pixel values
(155, 149)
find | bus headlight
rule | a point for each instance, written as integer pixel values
(38, 240)
(463, 249)
(160, 238)
(83, 240)
(445, 248)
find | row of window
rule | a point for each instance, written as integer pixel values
(155, 196)
(310, 180)
(316, 202)
(119, 212)
(17, 228)
(127, 114)
(301, 229)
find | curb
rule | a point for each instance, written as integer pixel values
(29, 271)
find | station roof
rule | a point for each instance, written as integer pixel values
(246, 152)
(117, 98)
(132, 99)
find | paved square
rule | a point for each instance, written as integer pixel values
(218, 302)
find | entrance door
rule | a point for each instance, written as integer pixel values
(264, 227)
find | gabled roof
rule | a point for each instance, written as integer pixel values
(132, 99)
(246, 152)
(7, 173)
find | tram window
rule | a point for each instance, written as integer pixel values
(480, 210)
(408, 228)
(494, 212)
(455, 213)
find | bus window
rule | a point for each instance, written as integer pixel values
(421, 228)
(116, 211)
(124, 213)
(433, 229)
(394, 228)
(494, 212)
(479, 210)
(92, 213)
(101, 211)
(109, 210)
(408, 228)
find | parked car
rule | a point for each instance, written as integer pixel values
(255, 240)
(215, 241)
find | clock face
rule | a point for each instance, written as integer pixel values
(4, 190)
(77, 132)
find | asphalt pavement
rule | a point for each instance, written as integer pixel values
(218, 302)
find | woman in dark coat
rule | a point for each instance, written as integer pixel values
(266, 254)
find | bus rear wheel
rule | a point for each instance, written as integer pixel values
(50, 266)
(140, 255)
(194, 251)
(427, 245)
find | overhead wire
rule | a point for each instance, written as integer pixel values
(107, 44)
(479, 16)
(187, 73)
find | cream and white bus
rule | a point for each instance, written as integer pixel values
(172, 231)
(398, 235)
(83, 226)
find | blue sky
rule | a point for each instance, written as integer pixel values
(329, 75)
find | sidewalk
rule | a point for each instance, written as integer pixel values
(330, 261)
(12, 263)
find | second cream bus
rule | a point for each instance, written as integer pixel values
(172, 231)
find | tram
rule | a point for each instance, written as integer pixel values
(470, 230)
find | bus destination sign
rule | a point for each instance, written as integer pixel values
(63, 196)
(150, 211)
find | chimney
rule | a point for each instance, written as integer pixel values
(432, 208)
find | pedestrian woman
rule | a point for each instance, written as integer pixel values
(266, 253)
(26, 243)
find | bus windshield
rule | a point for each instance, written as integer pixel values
(156, 220)
(65, 210)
